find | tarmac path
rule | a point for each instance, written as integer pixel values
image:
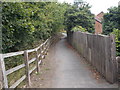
(63, 67)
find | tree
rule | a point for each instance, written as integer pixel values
(111, 24)
(111, 20)
(117, 38)
(25, 23)
(79, 15)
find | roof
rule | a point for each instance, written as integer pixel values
(99, 17)
(100, 13)
(98, 20)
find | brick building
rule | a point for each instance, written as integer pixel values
(98, 23)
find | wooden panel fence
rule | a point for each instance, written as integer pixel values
(118, 65)
(98, 50)
(40, 51)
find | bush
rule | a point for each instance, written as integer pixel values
(79, 28)
(117, 38)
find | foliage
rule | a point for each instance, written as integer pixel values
(111, 20)
(62, 31)
(79, 15)
(117, 34)
(27, 22)
(24, 23)
(78, 28)
(111, 24)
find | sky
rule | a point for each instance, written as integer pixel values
(98, 5)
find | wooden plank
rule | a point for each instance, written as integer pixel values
(113, 56)
(89, 55)
(32, 69)
(22, 52)
(32, 60)
(1, 78)
(12, 54)
(113, 47)
(14, 69)
(43, 56)
(27, 68)
(40, 62)
(111, 65)
(39, 47)
(46, 51)
(31, 50)
(118, 69)
(37, 61)
(44, 48)
(18, 82)
(118, 60)
(46, 41)
(39, 55)
(42, 51)
(2, 66)
(108, 59)
(47, 46)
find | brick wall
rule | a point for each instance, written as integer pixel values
(98, 27)
(98, 23)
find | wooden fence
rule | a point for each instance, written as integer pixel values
(118, 60)
(98, 50)
(40, 52)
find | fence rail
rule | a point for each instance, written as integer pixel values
(98, 50)
(40, 52)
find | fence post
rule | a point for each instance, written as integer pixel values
(90, 59)
(118, 70)
(37, 60)
(3, 76)
(27, 67)
(113, 56)
(43, 49)
(46, 47)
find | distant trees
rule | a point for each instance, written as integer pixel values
(111, 20)
(79, 15)
(111, 24)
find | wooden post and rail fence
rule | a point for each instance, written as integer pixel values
(99, 51)
(40, 51)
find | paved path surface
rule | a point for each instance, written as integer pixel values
(64, 68)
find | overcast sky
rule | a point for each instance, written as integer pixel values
(98, 5)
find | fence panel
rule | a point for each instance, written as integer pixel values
(99, 50)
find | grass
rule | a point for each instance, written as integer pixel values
(12, 78)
